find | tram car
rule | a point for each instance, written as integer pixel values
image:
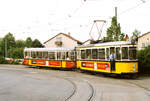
(91, 57)
(96, 57)
(50, 57)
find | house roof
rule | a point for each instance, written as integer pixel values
(144, 34)
(66, 36)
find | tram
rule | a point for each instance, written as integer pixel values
(96, 57)
(50, 57)
(91, 57)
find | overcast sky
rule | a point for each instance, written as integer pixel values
(42, 19)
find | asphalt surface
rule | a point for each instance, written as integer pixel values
(21, 83)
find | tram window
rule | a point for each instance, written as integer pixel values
(124, 52)
(132, 53)
(88, 54)
(63, 55)
(94, 53)
(58, 55)
(33, 54)
(101, 53)
(107, 53)
(45, 55)
(51, 55)
(71, 55)
(39, 55)
(118, 53)
(112, 49)
(25, 54)
(82, 54)
(28, 55)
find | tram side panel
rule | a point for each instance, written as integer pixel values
(50, 63)
(94, 66)
(105, 67)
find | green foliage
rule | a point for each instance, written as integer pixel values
(15, 62)
(114, 31)
(36, 43)
(20, 43)
(135, 35)
(1, 48)
(3, 61)
(144, 59)
(28, 42)
(16, 53)
(15, 47)
(9, 41)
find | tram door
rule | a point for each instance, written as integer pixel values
(112, 58)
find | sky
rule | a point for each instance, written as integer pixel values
(43, 19)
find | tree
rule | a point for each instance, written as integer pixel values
(16, 53)
(9, 40)
(28, 42)
(144, 59)
(8, 43)
(36, 43)
(1, 48)
(135, 35)
(20, 43)
(114, 31)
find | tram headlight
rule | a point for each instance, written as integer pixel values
(134, 67)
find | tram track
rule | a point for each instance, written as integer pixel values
(78, 84)
(141, 87)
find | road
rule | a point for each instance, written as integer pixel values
(21, 83)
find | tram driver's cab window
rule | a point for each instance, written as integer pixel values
(132, 53)
(124, 52)
(82, 54)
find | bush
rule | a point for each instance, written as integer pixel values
(14, 62)
(144, 60)
(3, 61)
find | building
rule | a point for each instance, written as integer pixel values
(144, 40)
(62, 40)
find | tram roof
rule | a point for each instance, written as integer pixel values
(116, 43)
(48, 49)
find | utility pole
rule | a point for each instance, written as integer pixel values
(5, 47)
(116, 12)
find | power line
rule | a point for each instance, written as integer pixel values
(129, 9)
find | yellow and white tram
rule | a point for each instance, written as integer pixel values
(96, 57)
(50, 57)
(92, 57)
